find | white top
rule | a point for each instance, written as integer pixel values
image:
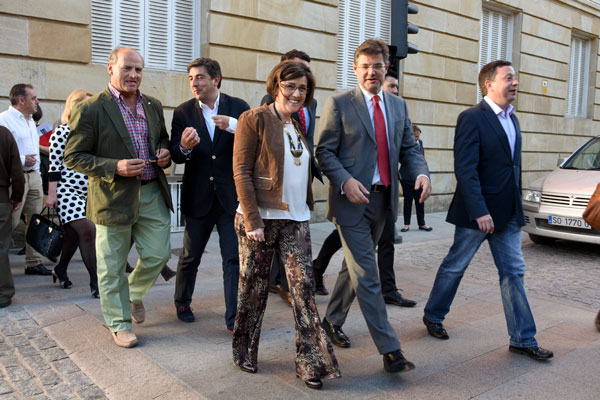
(25, 134)
(370, 105)
(506, 122)
(295, 183)
(208, 113)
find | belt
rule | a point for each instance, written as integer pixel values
(29, 171)
(149, 181)
(378, 188)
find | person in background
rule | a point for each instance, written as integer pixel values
(19, 121)
(12, 186)
(271, 168)
(410, 194)
(67, 191)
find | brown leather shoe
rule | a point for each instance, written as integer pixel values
(138, 312)
(286, 296)
(125, 339)
(598, 321)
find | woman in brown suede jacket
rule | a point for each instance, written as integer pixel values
(271, 168)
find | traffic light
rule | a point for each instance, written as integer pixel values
(401, 28)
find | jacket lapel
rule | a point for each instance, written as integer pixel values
(114, 113)
(391, 123)
(152, 123)
(224, 109)
(497, 127)
(358, 101)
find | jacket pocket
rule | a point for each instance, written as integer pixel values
(263, 183)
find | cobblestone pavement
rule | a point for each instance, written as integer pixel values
(32, 366)
(566, 270)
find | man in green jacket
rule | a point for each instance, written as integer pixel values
(119, 140)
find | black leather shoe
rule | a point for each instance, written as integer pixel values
(185, 313)
(395, 362)
(314, 383)
(246, 368)
(5, 304)
(425, 228)
(536, 352)
(436, 329)
(335, 333)
(597, 321)
(396, 299)
(37, 270)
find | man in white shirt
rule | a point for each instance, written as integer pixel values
(487, 205)
(202, 138)
(18, 119)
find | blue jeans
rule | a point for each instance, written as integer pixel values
(506, 250)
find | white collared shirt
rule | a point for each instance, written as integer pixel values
(25, 134)
(506, 122)
(370, 105)
(208, 113)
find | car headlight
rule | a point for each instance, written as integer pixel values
(532, 196)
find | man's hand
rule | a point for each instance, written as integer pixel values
(164, 157)
(221, 121)
(423, 183)
(15, 204)
(130, 167)
(30, 160)
(257, 234)
(355, 191)
(189, 138)
(486, 223)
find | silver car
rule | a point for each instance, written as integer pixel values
(553, 205)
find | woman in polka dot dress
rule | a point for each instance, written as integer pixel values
(67, 191)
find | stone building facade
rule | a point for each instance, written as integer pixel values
(49, 44)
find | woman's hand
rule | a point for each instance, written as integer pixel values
(51, 200)
(257, 234)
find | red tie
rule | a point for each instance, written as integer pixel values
(383, 155)
(302, 119)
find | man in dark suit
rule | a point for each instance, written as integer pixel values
(119, 140)
(306, 118)
(365, 133)
(487, 205)
(202, 137)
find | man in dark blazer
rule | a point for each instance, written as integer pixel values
(202, 137)
(364, 133)
(119, 140)
(306, 118)
(487, 205)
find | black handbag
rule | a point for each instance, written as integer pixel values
(45, 236)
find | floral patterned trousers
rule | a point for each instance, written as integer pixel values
(314, 353)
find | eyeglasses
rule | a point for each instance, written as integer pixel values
(289, 88)
(376, 67)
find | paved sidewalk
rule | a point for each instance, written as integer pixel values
(72, 354)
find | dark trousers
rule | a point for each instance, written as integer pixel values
(410, 195)
(385, 256)
(196, 235)
(7, 286)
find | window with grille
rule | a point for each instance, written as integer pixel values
(165, 32)
(359, 20)
(495, 41)
(578, 77)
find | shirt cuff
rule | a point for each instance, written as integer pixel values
(184, 151)
(232, 125)
(418, 176)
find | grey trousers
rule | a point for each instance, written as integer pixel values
(359, 276)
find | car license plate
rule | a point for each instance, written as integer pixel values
(568, 221)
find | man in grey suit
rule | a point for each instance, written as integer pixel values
(365, 133)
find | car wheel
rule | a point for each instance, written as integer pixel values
(541, 239)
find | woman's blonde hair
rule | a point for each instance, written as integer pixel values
(76, 96)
